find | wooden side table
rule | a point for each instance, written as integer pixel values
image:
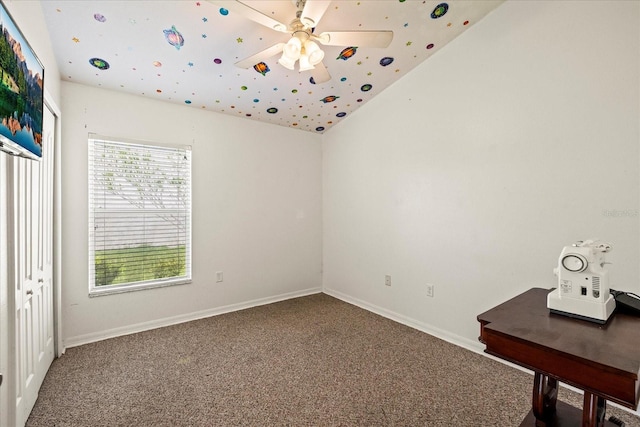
(602, 360)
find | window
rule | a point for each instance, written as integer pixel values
(139, 215)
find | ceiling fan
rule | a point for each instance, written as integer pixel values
(302, 46)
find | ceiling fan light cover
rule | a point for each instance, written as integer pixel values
(314, 52)
(293, 48)
(287, 62)
(305, 65)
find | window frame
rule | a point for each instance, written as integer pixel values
(99, 290)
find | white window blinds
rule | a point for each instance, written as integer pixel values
(139, 215)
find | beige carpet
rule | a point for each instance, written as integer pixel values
(311, 361)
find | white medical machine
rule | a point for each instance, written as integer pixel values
(583, 283)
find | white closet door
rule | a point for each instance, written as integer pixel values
(33, 271)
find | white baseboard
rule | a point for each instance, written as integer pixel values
(168, 321)
(458, 340)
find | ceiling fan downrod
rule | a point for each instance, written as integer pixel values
(300, 7)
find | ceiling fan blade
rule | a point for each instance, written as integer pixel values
(260, 56)
(252, 14)
(313, 11)
(356, 38)
(320, 73)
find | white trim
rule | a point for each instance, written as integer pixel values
(415, 324)
(137, 286)
(6, 336)
(138, 142)
(57, 223)
(476, 347)
(168, 321)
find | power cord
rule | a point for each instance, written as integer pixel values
(616, 293)
(617, 421)
(626, 302)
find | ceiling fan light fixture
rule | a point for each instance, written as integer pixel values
(292, 49)
(305, 65)
(314, 52)
(287, 62)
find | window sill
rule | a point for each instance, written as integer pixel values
(120, 289)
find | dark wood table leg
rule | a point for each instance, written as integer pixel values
(593, 410)
(545, 395)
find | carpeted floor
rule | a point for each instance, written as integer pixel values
(311, 361)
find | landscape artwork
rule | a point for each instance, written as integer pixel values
(21, 92)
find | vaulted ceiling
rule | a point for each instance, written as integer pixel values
(185, 51)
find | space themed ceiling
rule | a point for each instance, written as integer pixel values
(185, 52)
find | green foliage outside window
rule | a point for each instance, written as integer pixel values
(115, 266)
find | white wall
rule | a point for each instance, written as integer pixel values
(256, 212)
(474, 170)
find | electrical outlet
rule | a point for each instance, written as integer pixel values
(387, 280)
(430, 290)
(218, 276)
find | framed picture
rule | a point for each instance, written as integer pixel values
(21, 92)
